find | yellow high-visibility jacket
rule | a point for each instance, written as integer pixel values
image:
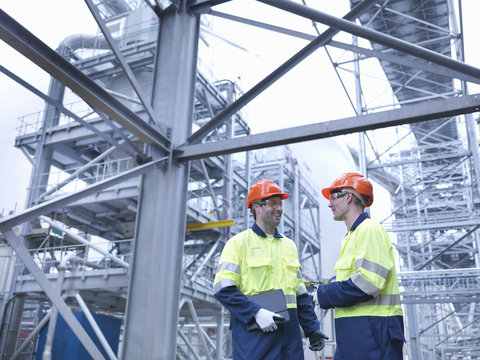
(256, 264)
(367, 259)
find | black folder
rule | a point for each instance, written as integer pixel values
(271, 300)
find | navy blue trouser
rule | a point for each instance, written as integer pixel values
(369, 338)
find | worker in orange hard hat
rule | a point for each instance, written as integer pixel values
(261, 191)
(260, 260)
(355, 183)
(365, 295)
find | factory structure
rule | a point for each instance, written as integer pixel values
(142, 158)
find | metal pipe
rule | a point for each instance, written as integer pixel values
(47, 352)
(16, 242)
(220, 336)
(95, 327)
(57, 225)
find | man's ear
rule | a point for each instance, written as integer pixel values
(349, 197)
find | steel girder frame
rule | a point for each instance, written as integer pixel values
(85, 94)
(469, 104)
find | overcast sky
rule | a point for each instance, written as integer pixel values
(302, 96)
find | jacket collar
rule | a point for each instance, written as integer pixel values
(359, 220)
(256, 229)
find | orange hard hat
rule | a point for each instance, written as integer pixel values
(263, 189)
(352, 180)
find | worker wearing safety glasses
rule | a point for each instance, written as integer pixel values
(258, 261)
(365, 295)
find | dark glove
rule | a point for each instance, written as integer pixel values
(317, 340)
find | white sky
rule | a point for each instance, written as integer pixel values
(312, 89)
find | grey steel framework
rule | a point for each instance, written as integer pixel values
(141, 159)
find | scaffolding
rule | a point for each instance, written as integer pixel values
(142, 161)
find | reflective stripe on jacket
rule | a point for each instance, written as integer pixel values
(256, 264)
(367, 259)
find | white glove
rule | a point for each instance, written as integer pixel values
(265, 320)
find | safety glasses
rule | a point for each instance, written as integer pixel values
(272, 203)
(337, 195)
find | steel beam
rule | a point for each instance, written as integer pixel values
(38, 52)
(405, 115)
(210, 225)
(410, 62)
(423, 159)
(422, 226)
(8, 222)
(375, 36)
(251, 94)
(64, 110)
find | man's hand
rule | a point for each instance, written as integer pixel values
(317, 340)
(266, 320)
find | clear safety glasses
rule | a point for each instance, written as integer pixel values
(272, 203)
(337, 195)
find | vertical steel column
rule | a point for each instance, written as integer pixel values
(43, 155)
(281, 227)
(248, 178)
(228, 206)
(220, 335)
(296, 207)
(154, 292)
(362, 154)
(413, 335)
(469, 123)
